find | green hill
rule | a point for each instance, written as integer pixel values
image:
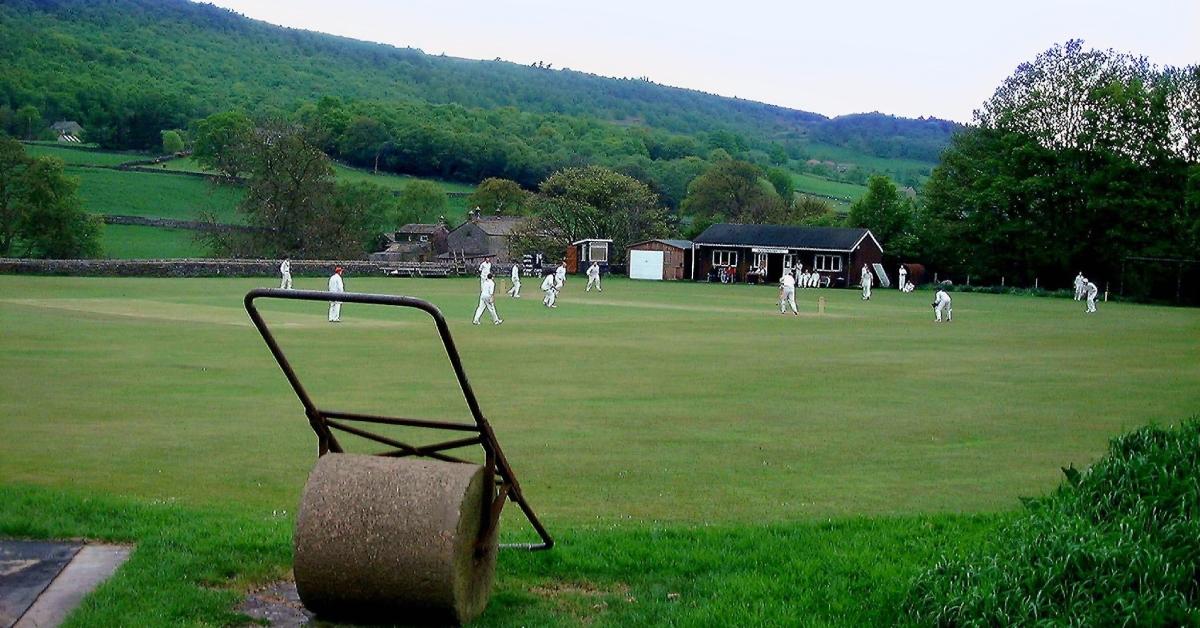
(127, 69)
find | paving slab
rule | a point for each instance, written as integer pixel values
(26, 569)
(92, 565)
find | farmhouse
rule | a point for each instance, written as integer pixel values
(669, 260)
(433, 234)
(837, 254)
(483, 237)
(68, 131)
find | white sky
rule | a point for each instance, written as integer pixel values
(909, 58)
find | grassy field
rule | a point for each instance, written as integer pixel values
(155, 195)
(75, 157)
(816, 185)
(139, 242)
(678, 438)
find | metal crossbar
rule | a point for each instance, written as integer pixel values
(500, 478)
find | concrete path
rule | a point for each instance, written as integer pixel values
(41, 582)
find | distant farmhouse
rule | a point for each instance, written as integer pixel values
(837, 254)
(483, 237)
(414, 242)
(68, 131)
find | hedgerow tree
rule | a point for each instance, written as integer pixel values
(40, 213)
(292, 203)
(592, 202)
(733, 190)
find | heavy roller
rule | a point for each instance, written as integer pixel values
(409, 534)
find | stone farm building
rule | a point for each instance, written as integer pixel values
(414, 242)
(483, 237)
(836, 253)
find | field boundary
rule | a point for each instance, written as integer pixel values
(181, 267)
(170, 223)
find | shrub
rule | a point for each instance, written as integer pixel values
(1116, 544)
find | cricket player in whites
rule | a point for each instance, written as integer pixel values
(285, 271)
(903, 277)
(548, 288)
(515, 290)
(336, 285)
(787, 294)
(866, 279)
(487, 300)
(593, 275)
(485, 269)
(1090, 289)
(1080, 282)
(941, 302)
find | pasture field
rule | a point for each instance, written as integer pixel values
(140, 242)
(676, 437)
(76, 157)
(133, 193)
(817, 185)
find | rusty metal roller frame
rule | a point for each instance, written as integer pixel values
(408, 534)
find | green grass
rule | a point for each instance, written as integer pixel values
(155, 195)
(138, 242)
(75, 157)
(813, 184)
(678, 438)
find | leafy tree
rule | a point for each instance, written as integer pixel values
(172, 142)
(29, 120)
(733, 190)
(422, 198)
(592, 202)
(814, 212)
(782, 181)
(499, 195)
(364, 141)
(13, 165)
(887, 213)
(292, 203)
(1080, 159)
(53, 224)
(220, 140)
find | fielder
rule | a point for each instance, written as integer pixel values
(336, 285)
(903, 278)
(560, 276)
(485, 269)
(548, 288)
(515, 290)
(487, 300)
(285, 271)
(941, 302)
(1091, 290)
(866, 283)
(787, 294)
(1080, 284)
(593, 275)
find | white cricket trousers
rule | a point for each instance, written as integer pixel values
(938, 312)
(335, 311)
(286, 283)
(1091, 304)
(515, 290)
(866, 291)
(788, 298)
(484, 304)
(596, 282)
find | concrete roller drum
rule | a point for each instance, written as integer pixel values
(395, 539)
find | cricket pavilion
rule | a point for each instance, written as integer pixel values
(837, 254)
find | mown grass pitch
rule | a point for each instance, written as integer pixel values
(647, 412)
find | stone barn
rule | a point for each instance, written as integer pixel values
(483, 237)
(660, 260)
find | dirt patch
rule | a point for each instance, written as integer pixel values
(278, 604)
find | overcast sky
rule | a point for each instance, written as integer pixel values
(913, 58)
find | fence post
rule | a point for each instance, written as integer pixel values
(1035, 283)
